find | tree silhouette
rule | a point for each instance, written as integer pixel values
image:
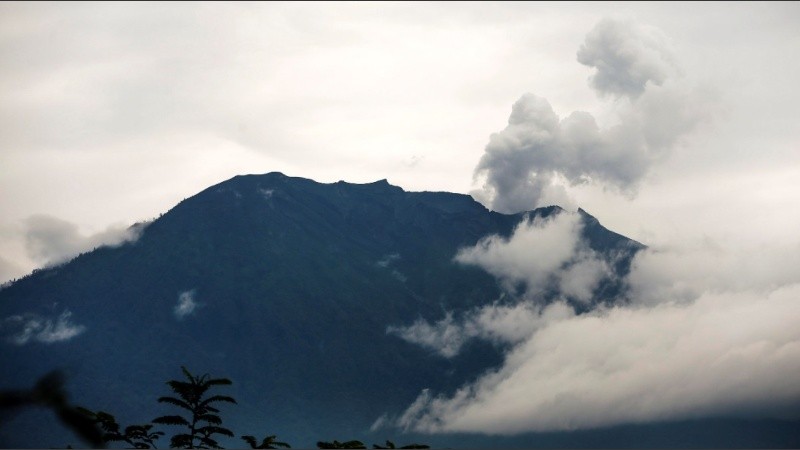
(337, 444)
(99, 428)
(138, 436)
(203, 421)
(267, 442)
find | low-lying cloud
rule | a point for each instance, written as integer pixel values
(388, 259)
(501, 324)
(50, 240)
(528, 164)
(541, 254)
(8, 270)
(27, 328)
(544, 258)
(186, 305)
(683, 273)
(702, 331)
(724, 354)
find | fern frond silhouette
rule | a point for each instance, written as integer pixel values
(202, 420)
(138, 436)
(268, 442)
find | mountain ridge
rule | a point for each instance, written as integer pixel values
(288, 288)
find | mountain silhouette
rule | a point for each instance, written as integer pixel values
(285, 286)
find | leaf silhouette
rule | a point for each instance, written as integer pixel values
(203, 421)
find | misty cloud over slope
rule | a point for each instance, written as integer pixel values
(700, 333)
(541, 254)
(21, 329)
(730, 354)
(50, 240)
(527, 164)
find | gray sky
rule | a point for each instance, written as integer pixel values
(112, 113)
(675, 125)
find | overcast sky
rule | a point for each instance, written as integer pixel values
(112, 113)
(675, 125)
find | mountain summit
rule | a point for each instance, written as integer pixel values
(282, 284)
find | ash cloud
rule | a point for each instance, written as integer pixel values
(50, 240)
(539, 154)
(627, 56)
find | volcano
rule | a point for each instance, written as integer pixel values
(284, 285)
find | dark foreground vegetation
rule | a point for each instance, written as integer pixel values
(196, 420)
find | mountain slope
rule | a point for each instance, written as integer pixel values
(284, 285)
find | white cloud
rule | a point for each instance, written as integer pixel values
(445, 337)
(726, 354)
(22, 329)
(186, 304)
(580, 279)
(502, 324)
(705, 330)
(683, 273)
(541, 254)
(535, 251)
(514, 323)
(50, 240)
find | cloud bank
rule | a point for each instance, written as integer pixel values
(724, 354)
(50, 240)
(703, 331)
(528, 164)
(683, 273)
